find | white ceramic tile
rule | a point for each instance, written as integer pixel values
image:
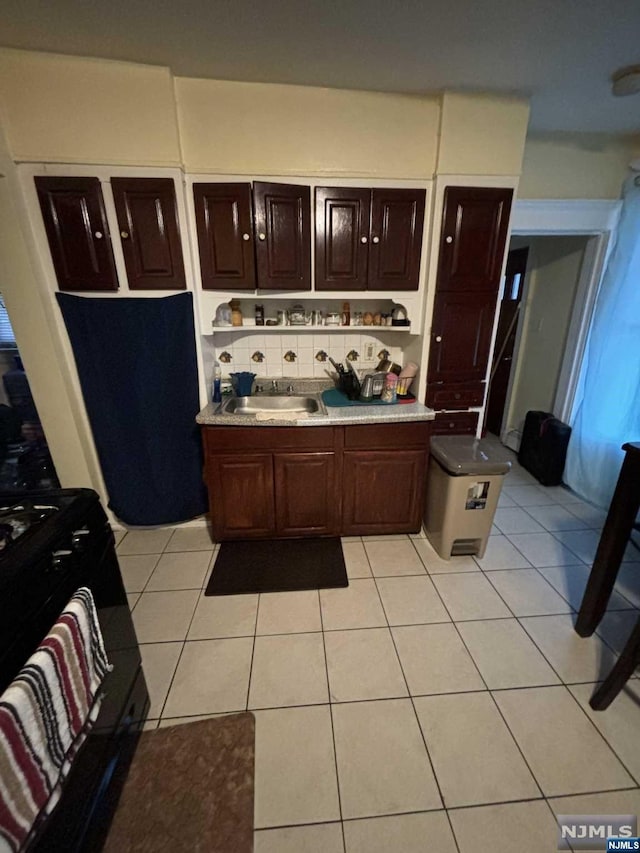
(145, 541)
(505, 501)
(363, 664)
(136, 570)
(295, 772)
(409, 833)
(220, 616)
(563, 495)
(161, 616)
(118, 536)
(582, 543)
(527, 593)
(166, 722)
(570, 581)
(435, 564)
(501, 554)
(132, 599)
(180, 571)
(574, 658)
(357, 606)
(473, 754)
(434, 660)
(212, 677)
(288, 612)
(628, 582)
(390, 558)
(566, 753)
(159, 661)
(555, 517)
(383, 766)
(591, 515)
(317, 838)
(515, 520)
(544, 549)
(523, 827)
(611, 802)
(529, 495)
(616, 626)
(505, 655)
(288, 669)
(411, 601)
(355, 558)
(386, 537)
(190, 539)
(470, 596)
(619, 723)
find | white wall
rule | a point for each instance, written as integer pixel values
(553, 267)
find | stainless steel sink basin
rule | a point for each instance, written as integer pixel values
(253, 405)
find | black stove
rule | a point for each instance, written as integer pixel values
(52, 543)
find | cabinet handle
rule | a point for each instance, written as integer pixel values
(98, 235)
(124, 235)
(262, 236)
(448, 240)
(246, 237)
(375, 240)
(363, 239)
(438, 338)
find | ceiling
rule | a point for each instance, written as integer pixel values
(560, 53)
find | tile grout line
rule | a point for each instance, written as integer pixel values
(253, 651)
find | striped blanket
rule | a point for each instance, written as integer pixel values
(45, 715)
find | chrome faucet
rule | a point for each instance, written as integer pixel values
(289, 390)
(274, 386)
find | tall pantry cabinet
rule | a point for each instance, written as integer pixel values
(472, 245)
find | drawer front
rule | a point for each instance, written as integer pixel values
(224, 439)
(455, 395)
(387, 436)
(455, 423)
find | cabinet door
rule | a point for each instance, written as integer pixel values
(397, 219)
(342, 238)
(148, 222)
(305, 499)
(461, 336)
(225, 236)
(474, 231)
(78, 234)
(383, 491)
(455, 423)
(283, 237)
(241, 498)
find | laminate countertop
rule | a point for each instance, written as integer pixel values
(335, 416)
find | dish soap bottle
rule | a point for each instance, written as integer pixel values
(216, 396)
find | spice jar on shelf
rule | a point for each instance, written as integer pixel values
(236, 313)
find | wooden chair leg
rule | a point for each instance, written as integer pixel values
(620, 673)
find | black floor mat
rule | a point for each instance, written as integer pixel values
(277, 565)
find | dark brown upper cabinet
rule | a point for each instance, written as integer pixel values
(342, 238)
(283, 236)
(148, 222)
(474, 231)
(78, 234)
(368, 239)
(397, 218)
(224, 223)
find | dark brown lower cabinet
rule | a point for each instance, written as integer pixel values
(285, 482)
(241, 495)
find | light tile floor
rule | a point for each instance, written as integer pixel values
(433, 704)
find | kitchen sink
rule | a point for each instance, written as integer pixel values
(253, 405)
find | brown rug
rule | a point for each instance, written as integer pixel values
(189, 788)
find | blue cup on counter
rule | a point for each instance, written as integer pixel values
(242, 383)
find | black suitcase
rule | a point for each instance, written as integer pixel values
(543, 449)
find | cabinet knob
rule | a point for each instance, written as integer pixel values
(246, 237)
(363, 240)
(438, 338)
(456, 396)
(448, 240)
(98, 235)
(262, 236)
(124, 235)
(452, 424)
(375, 240)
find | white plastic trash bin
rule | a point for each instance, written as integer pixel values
(463, 486)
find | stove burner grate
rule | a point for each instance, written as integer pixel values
(17, 519)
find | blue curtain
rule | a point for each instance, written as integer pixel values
(608, 413)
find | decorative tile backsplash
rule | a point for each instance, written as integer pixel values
(291, 354)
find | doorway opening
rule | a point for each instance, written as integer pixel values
(538, 342)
